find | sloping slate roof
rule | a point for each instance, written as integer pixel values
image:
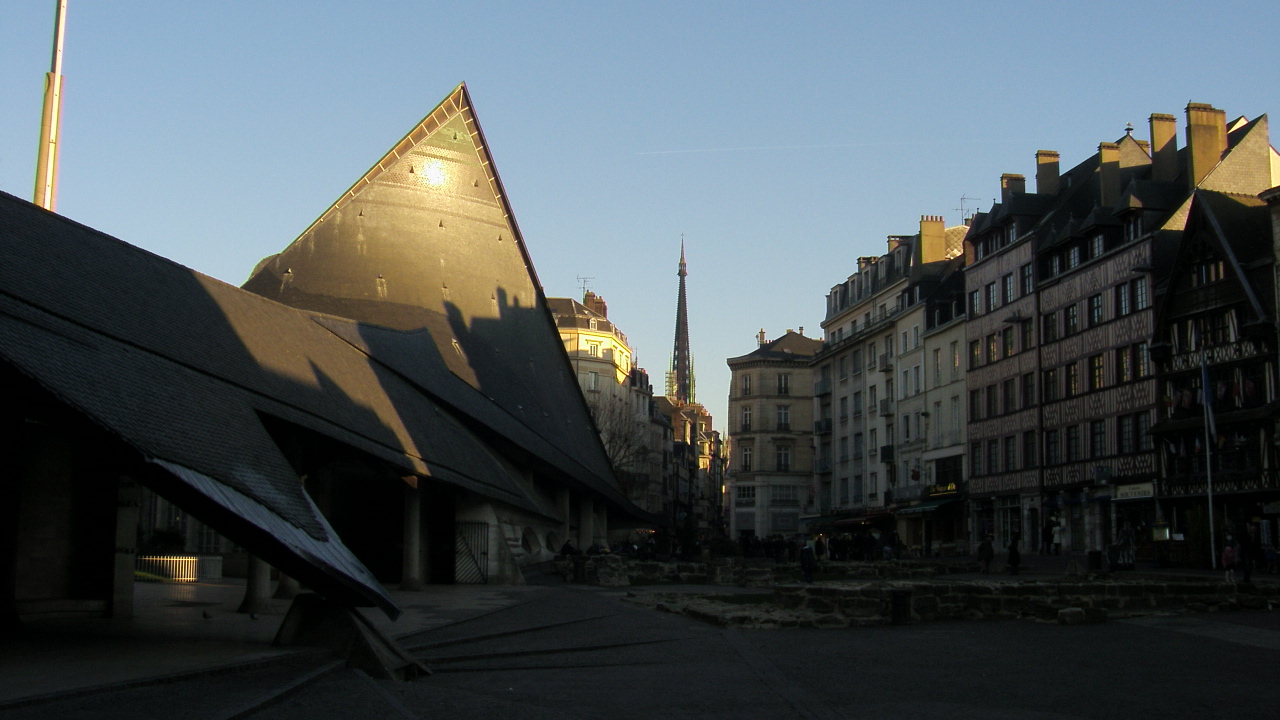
(426, 241)
(791, 346)
(179, 365)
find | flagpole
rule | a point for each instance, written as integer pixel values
(51, 121)
(1208, 458)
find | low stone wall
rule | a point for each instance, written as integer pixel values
(873, 603)
(620, 571)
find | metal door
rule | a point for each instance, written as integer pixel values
(472, 553)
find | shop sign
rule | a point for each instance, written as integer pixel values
(1271, 508)
(1135, 491)
(943, 489)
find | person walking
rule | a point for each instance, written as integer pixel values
(808, 561)
(1015, 558)
(1229, 560)
(986, 553)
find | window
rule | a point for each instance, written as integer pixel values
(873, 486)
(1028, 282)
(955, 360)
(1133, 227)
(1071, 375)
(746, 419)
(991, 297)
(844, 491)
(993, 349)
(937, 367)
(1097, 373)
(992, 400)
(856, 362)
(993, 456)
(906, 428)
(1124, 365)
(975, 303)
(747, 451)
(593, 349)
(1052, 451)
(1027, 329)
(784, 384)
(844, 409)
(1073, 257)
(782, 458)
(1050, 332)
(975, 458)
(1007, 341)
(955, 414)
(1142, 359)
(1125, 425)
(975, 354)
(1055, 265)
(1095, 310)
(1140, 301)
(915, 333)
(1073, 443)
(593, 381)
(784, 496)
(1050, 385)
(857, 446)
(1122, 300)
(1144, 430)
(1097, 244)
(746, 384)
(1097, 438)
(1028, 390)
(1009, 396)
(857, 403)
(843, 367)
(784, 417)
(975, 404)
(1010, 454)
(1029, 449)
(746, 495)
(1070, 320)
(1006, 289)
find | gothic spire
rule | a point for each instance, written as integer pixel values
(681, 368)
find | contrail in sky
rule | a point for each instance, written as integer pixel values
(791, 147)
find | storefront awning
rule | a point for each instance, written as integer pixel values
(926, 506)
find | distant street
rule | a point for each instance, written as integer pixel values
(570, 652)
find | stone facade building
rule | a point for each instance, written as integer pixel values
(771, 460)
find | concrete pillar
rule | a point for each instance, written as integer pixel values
(257, 590)
(128, 497)
(586, 522)
(562, 508)
(411, 573)
(288, 588)
(602, 523)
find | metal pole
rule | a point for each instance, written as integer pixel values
(50, 124)
(1208, 457)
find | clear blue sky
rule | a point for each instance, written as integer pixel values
(784, 140)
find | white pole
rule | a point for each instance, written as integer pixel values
(51, 121)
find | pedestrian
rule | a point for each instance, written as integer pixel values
(808, 561)
(1057, 537)
(1015, 558)
(1247, 552)
(1229, 560)
(986, 553)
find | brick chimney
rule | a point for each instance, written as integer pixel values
(1108, 173)
(1011, 183)
(1046, 172)
(1164, 147)
(760, 337)
(933, 239)
(595, 303)
(1206, 140)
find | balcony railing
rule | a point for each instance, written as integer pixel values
(886, 363)
(822, 387)
(822, 427)
(886, 407)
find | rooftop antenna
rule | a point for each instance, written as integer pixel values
(51, 122)
(585, 282)
(965, 207)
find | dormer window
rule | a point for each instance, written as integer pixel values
(1096, 246)
(1133, 227)
(1055, 265)
(1073, 257)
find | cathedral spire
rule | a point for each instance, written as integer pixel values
(681, 385)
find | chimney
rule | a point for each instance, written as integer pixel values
(1164, 147)
(1046, 172)
(1011, 183)
(801, 331)
(1206, 140)
(760, 337)
(933, 239)
(1108, 173)
(595, 303)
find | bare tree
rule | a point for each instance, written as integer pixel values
(624, 433)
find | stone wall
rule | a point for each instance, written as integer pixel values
(620, 571)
